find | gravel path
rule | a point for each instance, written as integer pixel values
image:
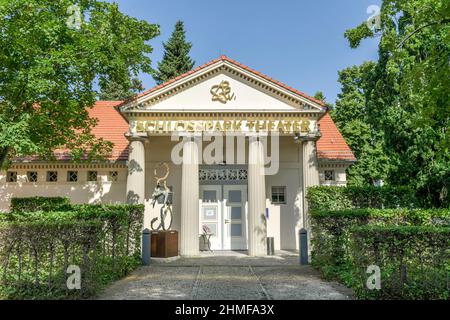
(224, 278)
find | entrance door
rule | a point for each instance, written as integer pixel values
(223, 211)
(235, 229)
(211, 204)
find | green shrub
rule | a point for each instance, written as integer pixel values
(331, 233)
(35, 256)
(341, 198)
(414, 261)
(33, 243)
(34, 204)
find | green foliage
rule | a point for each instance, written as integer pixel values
(176, 59)
(49, 69)
(406, 98)
(335, 254)
(319, 95)
(353, 120)
(116, 91)
(339, 198)
(37, 247)
(414, 261)
(33, 204)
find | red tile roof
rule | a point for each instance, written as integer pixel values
(236, 63)
(332, 146)
(111, 126)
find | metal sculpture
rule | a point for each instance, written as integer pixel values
(161, 195)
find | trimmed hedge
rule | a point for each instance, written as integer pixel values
(104, 240)
(341, 198)
(34, 204)
(414, 261)
(35, 256)
(330, 229)
(332, 248)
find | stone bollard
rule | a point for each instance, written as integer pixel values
(146, 247)
(270, 246)
(303, 238)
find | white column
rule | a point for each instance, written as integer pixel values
(136, 172)
(189, 233)
(310, 175)
(257, 225)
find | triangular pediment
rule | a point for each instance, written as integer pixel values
(223, 85)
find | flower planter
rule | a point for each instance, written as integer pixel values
(164, 244)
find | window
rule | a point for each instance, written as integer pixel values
(329, 175)
(52, 176)
(113, 176)
(32, 176)
(92, 176)
(279, 195)
(72, 176)
(11, 176)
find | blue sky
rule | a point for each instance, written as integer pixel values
(298, 42)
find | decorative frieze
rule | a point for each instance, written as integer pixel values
(44, 166)
(223, 175)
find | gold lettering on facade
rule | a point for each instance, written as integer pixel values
(222, 92)
(168, 126)
(305, 125)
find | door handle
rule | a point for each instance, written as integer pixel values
(227, 221)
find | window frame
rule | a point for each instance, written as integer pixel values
(29, 174)
(13, 175)
(89, 178)
(333, 175)
(49, 176)
(278, 192)
(70, 176)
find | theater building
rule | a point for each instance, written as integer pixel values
(241, 149)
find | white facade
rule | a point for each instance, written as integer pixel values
(239, 204)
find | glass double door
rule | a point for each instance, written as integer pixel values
(223, 212)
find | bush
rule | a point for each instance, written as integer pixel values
(332, 230)
(35, 248)
(341, 198)
(414, 261)
(35, 256)
(34, 204)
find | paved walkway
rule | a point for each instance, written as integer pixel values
(233, 276)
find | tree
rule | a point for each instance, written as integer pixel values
(319, 95)
(351, 117)
(408, 97)
(115, 90)
(176, 60)
(51, 59)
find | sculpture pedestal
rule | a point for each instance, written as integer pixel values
(164, 244)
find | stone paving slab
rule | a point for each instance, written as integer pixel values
(299, 283)
(227, 283)
(154, 283)
(225, 278)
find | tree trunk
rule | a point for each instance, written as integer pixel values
(3, 156)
